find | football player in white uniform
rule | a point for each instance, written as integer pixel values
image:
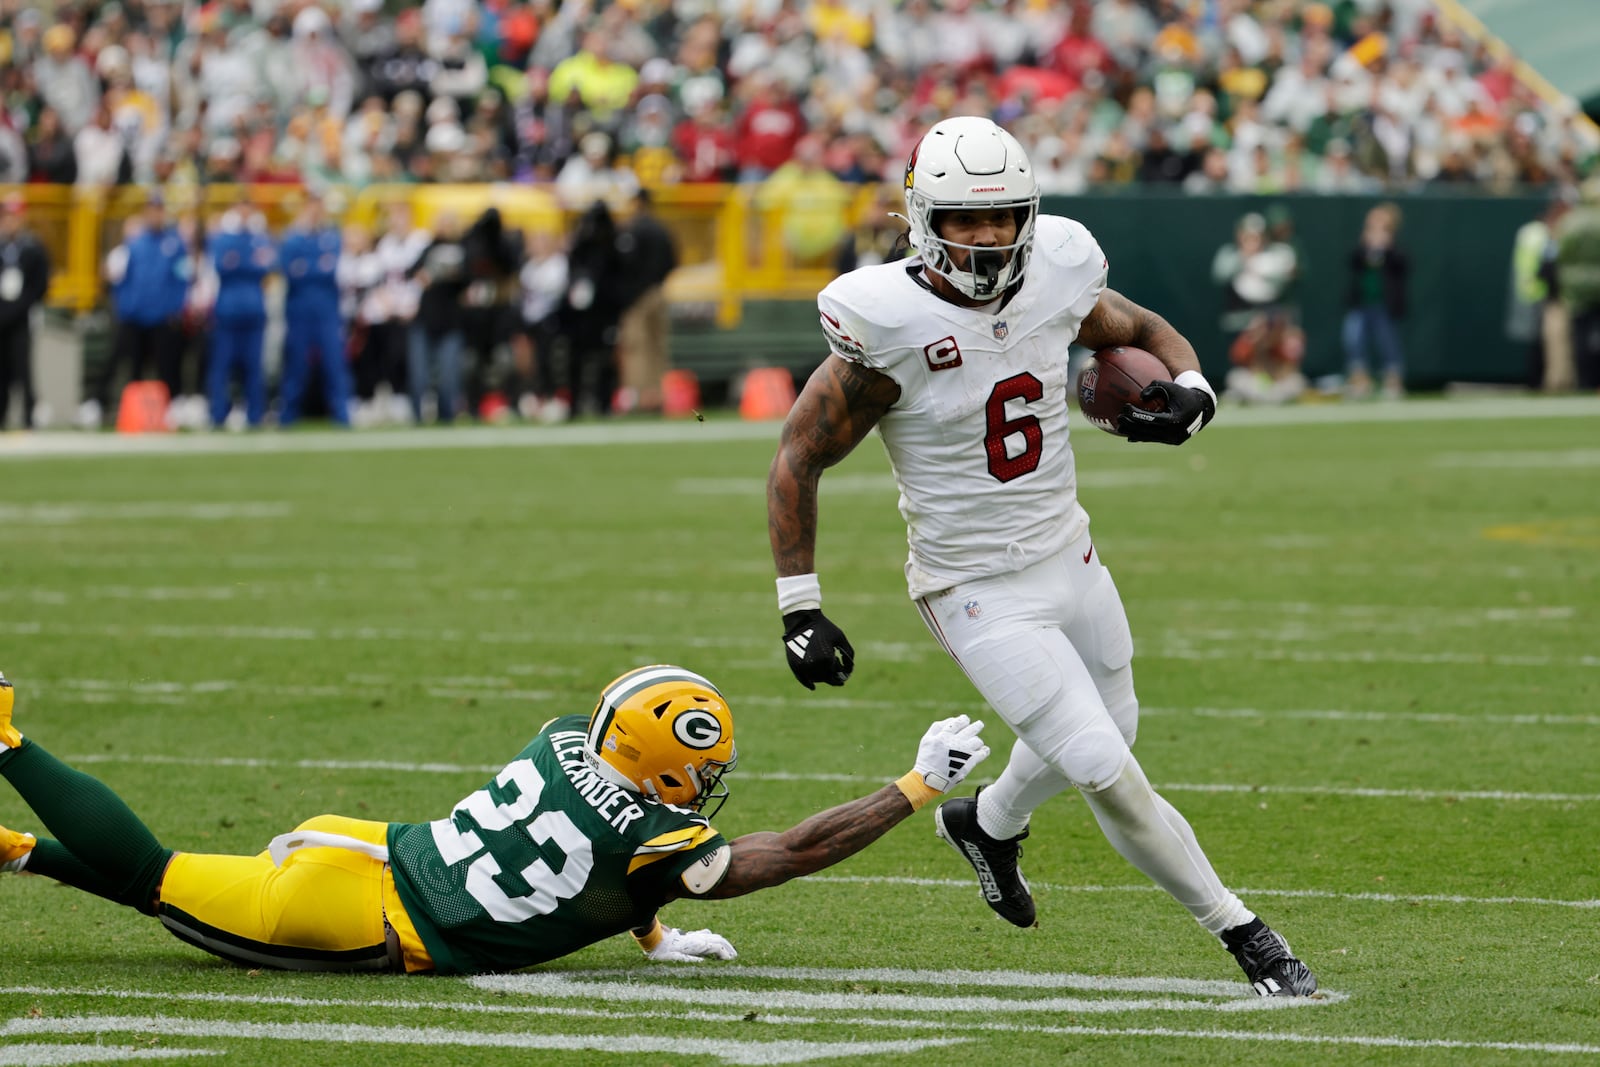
(959, 357)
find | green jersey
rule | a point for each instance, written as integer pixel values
(545, 859)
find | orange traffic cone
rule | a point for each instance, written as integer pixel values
(680, 393)
(143, 408)
(768, 394)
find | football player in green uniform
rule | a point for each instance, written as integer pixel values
(595, 825)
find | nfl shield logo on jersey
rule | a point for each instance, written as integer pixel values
(1000, 330)
(973, 609)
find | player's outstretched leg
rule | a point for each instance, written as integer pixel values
(1268, 962)
(100, 845)
(1000, 880)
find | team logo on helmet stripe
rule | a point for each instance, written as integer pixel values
(697, 729)
(617, 693)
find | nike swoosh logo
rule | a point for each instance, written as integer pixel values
(1089, 553)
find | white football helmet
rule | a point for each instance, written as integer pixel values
(970, 162)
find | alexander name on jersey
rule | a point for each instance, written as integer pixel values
(615, 805)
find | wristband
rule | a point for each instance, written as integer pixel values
(651, 938)
(1193, 379)
(916, 789)
(799, 592)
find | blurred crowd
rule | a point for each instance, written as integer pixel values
(597, 97)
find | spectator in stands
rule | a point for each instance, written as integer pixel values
(595, 173)
(435, 341)
(51, 156)
(149, 274)
(1376, 304)
(706, 145)
(603, 84)
(24, 279)
(769, 129)
(65, 81)
(242, 255)
(648, 255)
(810, 201)
(878, 237)
(1578, 275)
(309, 258)
(101, 153)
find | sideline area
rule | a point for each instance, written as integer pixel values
(718, 428)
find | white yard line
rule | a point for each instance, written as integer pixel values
(74, 511)
(663, 979)
(688, 1046)
(1172, 645)
(32, 1055)
(718, 431)
(1250, 788)
(966, 885)
(556, 986)
(1555, 459)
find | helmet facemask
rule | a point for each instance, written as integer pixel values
(971, 164)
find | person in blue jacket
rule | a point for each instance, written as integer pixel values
(242, 255)
(149, 274)
(309, 258)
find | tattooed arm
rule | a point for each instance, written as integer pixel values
(765, 859)
(838, 406)
(1116, 320)
(947, 753)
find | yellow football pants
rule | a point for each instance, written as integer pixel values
(324, 909)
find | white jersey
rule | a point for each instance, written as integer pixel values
(978, 438)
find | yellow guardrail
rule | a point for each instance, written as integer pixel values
(731, 245)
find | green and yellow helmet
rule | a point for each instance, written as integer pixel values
(665, 732)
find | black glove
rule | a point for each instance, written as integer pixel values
(818, 650)
(1188, 410)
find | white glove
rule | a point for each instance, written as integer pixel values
(949, 751)
(692, 946)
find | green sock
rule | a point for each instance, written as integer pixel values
(117, 855)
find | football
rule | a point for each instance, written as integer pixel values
(1116, 376)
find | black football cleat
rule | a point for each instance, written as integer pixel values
(1268, 961)
(1000, 882)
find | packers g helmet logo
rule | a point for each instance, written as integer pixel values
(697, 729)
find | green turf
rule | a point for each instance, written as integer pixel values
(1347, 616)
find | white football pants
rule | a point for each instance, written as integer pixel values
(1049, 648)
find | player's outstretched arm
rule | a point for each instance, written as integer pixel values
(947, 753)
(838, 407)
(1187, 403)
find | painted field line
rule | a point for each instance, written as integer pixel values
(919, 1024)
(885, 483)
(1340, 715)
(30, 1055)
(1243, 891)
(1553, 459)
(1547, 1047)
(688, 1046)
(559, 986)
(865, 779)
(1249, 651)
(1010, 979)
(73, 511)
(897, 650)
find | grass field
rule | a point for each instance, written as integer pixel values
(1366, 653)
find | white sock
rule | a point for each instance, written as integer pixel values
(1154, 837)
(1027, 782)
